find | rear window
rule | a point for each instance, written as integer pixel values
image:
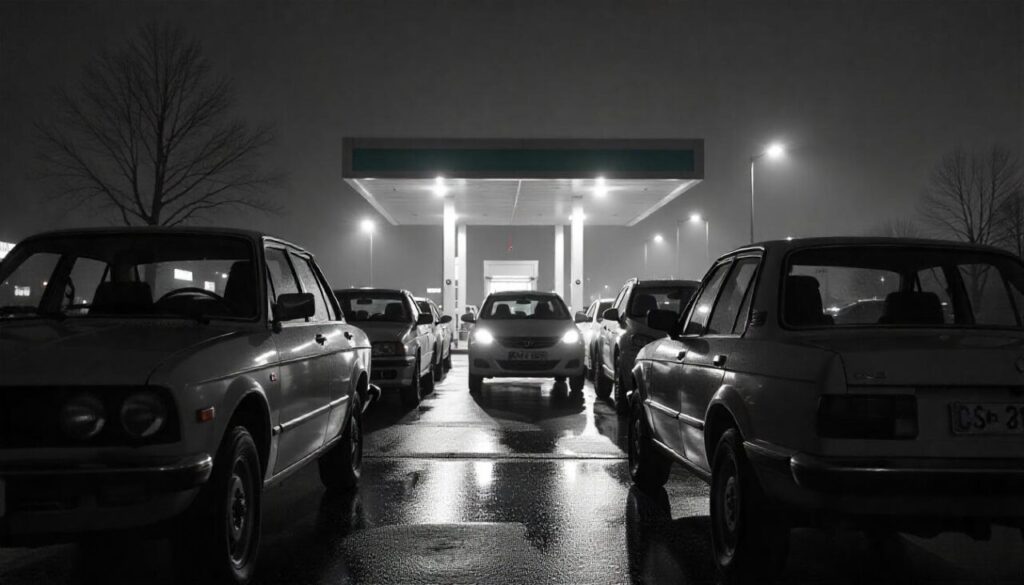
(537, 307)
(374, 306)
(868, 286)
(665, 298)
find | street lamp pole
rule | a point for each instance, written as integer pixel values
(368, 227)
(698, 218)
(774, 150)
(371, 258)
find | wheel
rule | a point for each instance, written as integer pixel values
(438, 371)
(220, 535)
(576, 383)
(621, 404)
(341, 467)
(602, 385)
(648, 468)
(448, 361)
(476, 384)
(748, 538)
(412, 394)
(559, 379)
(592, 369)
(430, 380)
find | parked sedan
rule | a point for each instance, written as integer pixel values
(404, 345)
(161, 379)
(910, 419)
(624, 331)
(590, 328)
(444, 334)
(525, 334)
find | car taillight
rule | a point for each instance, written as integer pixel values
(867, 417)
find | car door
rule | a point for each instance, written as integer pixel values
(425, 336)
(304, 391)
(710, 343)
(336, 363)
(610, 331)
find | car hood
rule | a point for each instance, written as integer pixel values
(525, 327)
(88, 352)
(384, 331)
(928, 358)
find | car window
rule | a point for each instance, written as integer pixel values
(83, 281)
(22, 292)
(310, 284)
(988, 295)
(370, 305)
(524, 306)
(620, 300)
(425, 307)
(734, 289)
(282, 278)
(664, 298)
(701, 308)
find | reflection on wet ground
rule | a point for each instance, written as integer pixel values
(525, 483)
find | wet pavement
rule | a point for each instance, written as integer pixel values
(526, 483)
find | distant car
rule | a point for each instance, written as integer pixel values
(402, 336)
(444, 333)
(591, 329)
(525, 334)
(161, 379)
(911, 420)
(624, 331)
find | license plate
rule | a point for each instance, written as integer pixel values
(987, 418)
(527, 355)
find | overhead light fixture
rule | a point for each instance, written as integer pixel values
(600, 187)
(658, 239)
(367, 226)
(696, 218)
(775, 150)
(440, 189)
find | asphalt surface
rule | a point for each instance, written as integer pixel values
(526, 483)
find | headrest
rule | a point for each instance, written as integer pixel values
(241, 290)
(644, 304)
(394, 311)
(122, 298)
(542, 310)
(502, 311)
(803, 302)
(912, 308)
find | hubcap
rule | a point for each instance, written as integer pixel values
(731, 503)
(239, 514)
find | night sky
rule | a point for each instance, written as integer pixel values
(868, 95)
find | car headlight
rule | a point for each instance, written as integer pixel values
(143, 414)
(483, 337)
(82, 417)
(571, 336)
(388, 349)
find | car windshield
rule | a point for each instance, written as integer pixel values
(130, 275)
(525, 306)
(374, 306)
(665, 298)
(867, 286)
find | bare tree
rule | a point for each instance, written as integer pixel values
(1011, 218)
(148, 133)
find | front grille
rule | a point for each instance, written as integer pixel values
(527, 365)
(30, 417)
(528, 342)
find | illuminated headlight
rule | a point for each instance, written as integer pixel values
(571, 336)
(388, 349)
(483, 337)
(82, 417)
(143, 414)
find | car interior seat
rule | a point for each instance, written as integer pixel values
(394, 312)
(122, 298)
(543, 311)
(240, 292)
(803, 302)
(912, 308)
(502, 312)
(643, 304)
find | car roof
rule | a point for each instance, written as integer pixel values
(370, 289)
(795, 243)
(512, 293)
(159, 230)
(668, 283)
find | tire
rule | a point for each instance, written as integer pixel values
(576, 383)
(748, 538)
(412, 394)
(219, 537)
(648, 468)
(621, 404)
(341, 467)
(593, 371)
(439, 370)
(476, 384)
(448, 360)
(559, 379)
(430, 380)
(602, 385)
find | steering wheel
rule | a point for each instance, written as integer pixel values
(190, 290)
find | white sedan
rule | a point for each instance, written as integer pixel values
(525, 335)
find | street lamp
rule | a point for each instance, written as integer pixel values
(696, 218)
(657, 239)
(774, 151)
(368, 228)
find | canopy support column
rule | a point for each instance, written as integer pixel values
(448, 264)
(576, 260)
(461, 298)
(560, 260)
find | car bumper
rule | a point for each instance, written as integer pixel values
(393, 372)
(496, 362)
(893, 487)
(53, 503)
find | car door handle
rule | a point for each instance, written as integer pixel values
(348, 335)
(718, 361)
(681, 355)
(320, 338)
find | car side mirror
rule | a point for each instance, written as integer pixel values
(291, 306)
(581, 317)
(467, 318)
(445, 319)
(425, 319)
(661, 320)
(611, 314)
